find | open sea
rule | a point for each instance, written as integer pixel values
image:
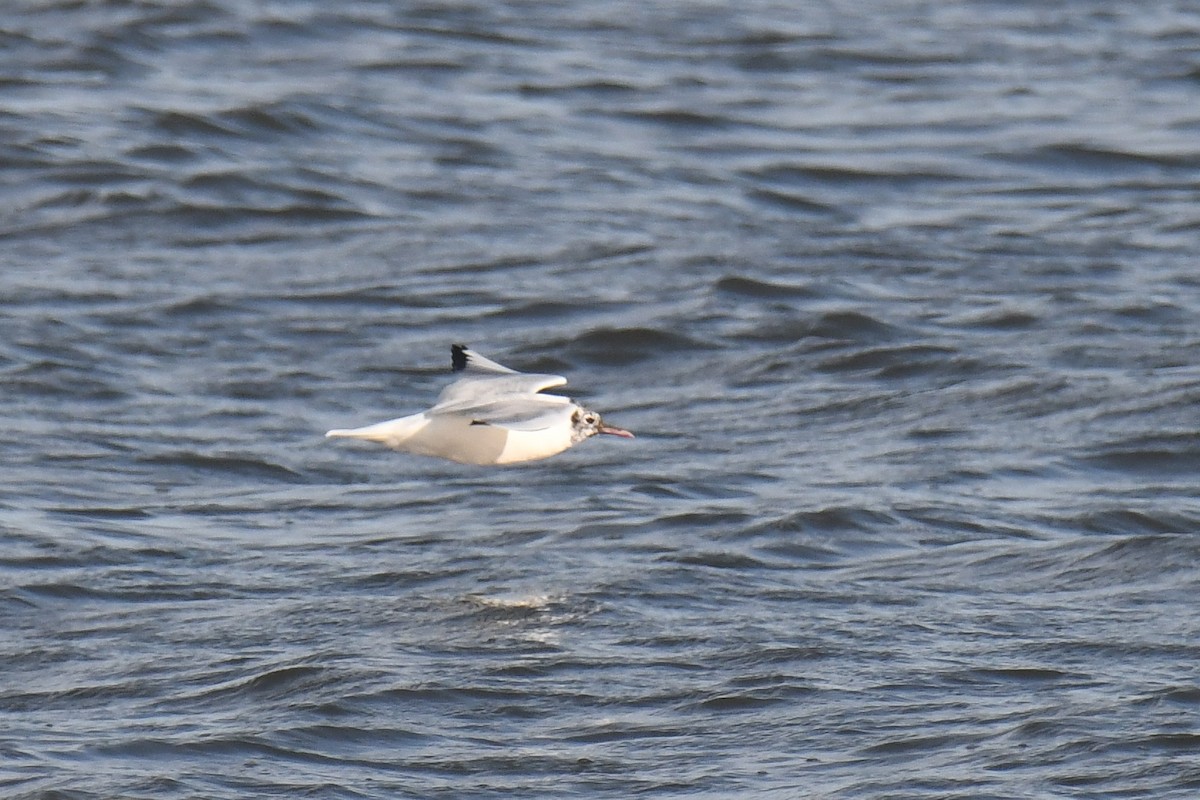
(902, 300)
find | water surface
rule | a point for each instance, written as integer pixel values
(899, 298)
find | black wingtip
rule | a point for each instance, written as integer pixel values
(458, 357)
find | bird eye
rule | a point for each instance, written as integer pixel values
(590, 419)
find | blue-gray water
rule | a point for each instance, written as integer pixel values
(900, 298)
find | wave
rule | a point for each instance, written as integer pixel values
(236, 466)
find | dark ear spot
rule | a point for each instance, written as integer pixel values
(575, 417)
(458, 357)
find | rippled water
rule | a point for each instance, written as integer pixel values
(900, 298)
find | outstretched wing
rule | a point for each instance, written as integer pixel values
(484, 382)
(534, 414)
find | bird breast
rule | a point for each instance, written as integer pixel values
(533, 445)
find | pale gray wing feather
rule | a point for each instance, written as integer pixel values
(489, 388)
(525, 414)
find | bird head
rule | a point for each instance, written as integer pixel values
(585, 423)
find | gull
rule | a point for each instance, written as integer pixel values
(490, 415)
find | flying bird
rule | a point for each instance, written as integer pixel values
(490, 415)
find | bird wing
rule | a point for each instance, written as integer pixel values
(484, 381)
(489, 393)
(484, 389)
(524, 414)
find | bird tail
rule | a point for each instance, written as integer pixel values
(393, 433)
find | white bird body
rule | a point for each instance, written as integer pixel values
(493, 415)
